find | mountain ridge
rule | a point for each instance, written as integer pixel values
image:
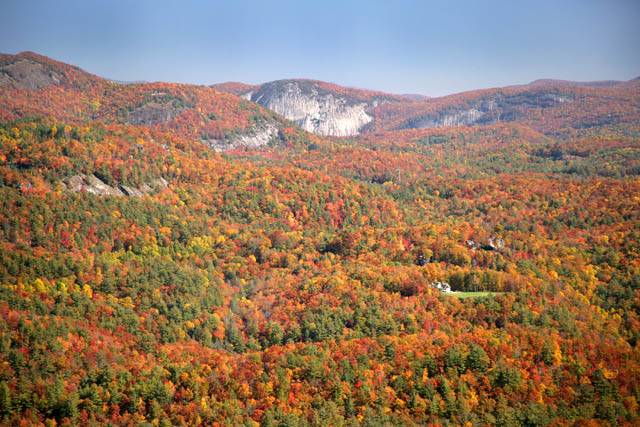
(332, 110)
(35, 85)
(319, 107)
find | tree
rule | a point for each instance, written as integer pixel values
(5, 400)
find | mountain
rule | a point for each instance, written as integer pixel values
(550, 106)
(219, 117)
(556, 82)
(34, 85)
(29, 70)
(318, 107)
(415, 96)
(236, 88)
(546, 105)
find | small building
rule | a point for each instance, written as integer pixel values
(441, 286)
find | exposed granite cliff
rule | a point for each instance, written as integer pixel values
(314, 108)
(259, 135)
(489, 109)
(94, 185)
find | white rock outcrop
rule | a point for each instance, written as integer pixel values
(315, 110)
(91, 184)
(94, 185)
(258, 135)
(487, 110)
(458, 118)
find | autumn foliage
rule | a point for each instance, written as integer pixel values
(294, 285)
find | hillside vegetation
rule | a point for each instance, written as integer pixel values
(296, 282)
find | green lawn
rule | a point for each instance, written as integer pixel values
(464, 295)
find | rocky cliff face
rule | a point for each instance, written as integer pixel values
(94, 185)
(258, 135)
(455, 118)
(314, 108)
(487, 110)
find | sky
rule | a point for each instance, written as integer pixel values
(400, 46)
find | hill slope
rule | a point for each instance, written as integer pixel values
(32, 85)
(318, 107)
(550, 106)
(147, 279)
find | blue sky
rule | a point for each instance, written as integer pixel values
(402, 46)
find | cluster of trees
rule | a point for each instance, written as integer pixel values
(285, 287)
(549, 107)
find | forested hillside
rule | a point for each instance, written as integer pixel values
(157, 265)
(554, 107)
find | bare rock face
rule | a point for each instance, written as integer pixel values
(456, 118)
(28, 74)
(489, 109)
(131, 191)
(313, 108)
(159, 184)
(91, 184)
(259, 135)
(94, 185)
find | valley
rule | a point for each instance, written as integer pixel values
(282, 254)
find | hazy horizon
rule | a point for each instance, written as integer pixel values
(406, 47)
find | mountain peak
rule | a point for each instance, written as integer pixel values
(317, 106)
(236, 88)
(32, 71)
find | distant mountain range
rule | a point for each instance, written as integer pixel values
(546, 105)
(220, 115)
